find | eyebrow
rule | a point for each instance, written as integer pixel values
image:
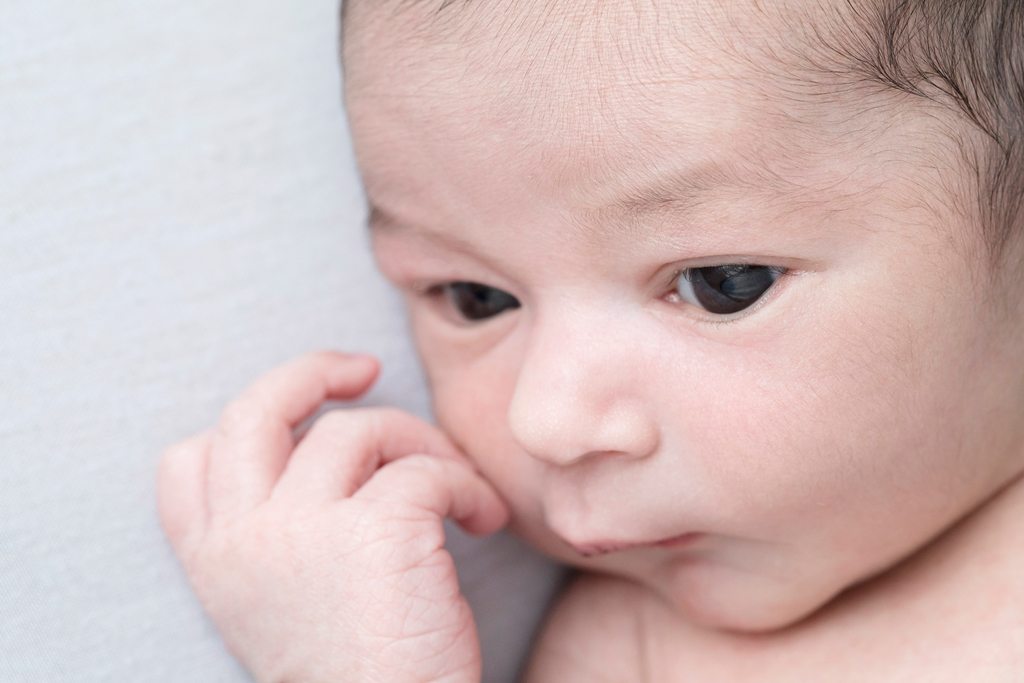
(670, 190)
(380, 221)
(683, 190)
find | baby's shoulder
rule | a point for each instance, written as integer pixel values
(593, 633)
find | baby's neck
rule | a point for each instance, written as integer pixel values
(981, 549)
(989, 531)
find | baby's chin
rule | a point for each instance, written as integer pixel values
(721, 599)
(706, 593)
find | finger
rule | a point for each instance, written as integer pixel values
(181, 491)
(344, 447)
(441, 487)
(254, 438)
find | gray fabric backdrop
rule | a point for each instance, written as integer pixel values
(179, 212)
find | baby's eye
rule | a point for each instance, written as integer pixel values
(476, 302)
(726, 289)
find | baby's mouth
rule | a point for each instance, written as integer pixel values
(592, 549)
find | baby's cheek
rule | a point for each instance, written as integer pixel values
(841, 441)
(470, 386)
(471, 408)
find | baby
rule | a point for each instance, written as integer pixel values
(720, 303)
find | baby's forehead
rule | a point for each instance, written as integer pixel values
(571, 61)
(611, 37)
(591, 82)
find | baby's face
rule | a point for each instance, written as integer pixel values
(828, 390)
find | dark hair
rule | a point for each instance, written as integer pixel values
(964, 55)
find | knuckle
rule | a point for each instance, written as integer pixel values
(341, 427)
(319, 356)
(427, 437)
(339, 419)
(176, 526)
(423, 466)
(178, 456)
(175, 452)
(386, 417)
(243, 414)
(373, 424)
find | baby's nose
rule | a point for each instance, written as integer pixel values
(571, 406)
(564, 434)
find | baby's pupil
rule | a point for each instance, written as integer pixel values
(732, 288)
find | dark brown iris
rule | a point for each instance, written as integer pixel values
(731, 288)
(479, 302)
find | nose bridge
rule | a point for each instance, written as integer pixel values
(578, 393)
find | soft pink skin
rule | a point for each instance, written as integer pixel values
(323, 560)
(871, 399)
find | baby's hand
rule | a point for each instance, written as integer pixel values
(325, 564)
